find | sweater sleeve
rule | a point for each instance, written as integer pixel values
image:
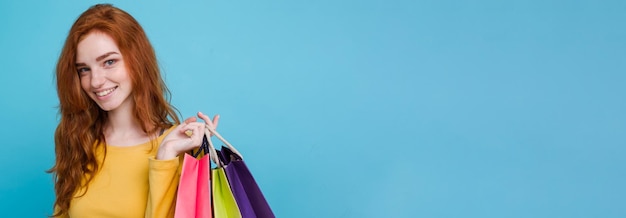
(163, 179)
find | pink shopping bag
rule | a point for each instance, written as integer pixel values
(194, 195)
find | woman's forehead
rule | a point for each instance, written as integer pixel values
(95, 44)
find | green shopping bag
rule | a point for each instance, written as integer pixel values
(224, 204)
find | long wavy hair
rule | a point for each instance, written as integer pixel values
(82, 121)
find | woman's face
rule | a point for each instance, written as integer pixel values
(103, 73)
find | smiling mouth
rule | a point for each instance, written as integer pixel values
(105, 92)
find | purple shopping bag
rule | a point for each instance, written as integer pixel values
(247, 193)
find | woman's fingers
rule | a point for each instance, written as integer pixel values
(192, 129)
(178, 142)
(216, 120)
(211, 123)
(181, 127)
(198, 133)
(190, 120)
(206, 118)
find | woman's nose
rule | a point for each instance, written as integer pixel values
(97, 78)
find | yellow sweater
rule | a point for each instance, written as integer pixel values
(130, 183)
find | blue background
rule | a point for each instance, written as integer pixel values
(364, 108)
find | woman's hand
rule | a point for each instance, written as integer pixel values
(177, 142)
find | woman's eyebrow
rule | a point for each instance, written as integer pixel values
(105, 55)
(99, 58)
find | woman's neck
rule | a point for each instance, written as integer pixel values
(122, 129)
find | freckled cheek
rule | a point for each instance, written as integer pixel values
(85, 84)
(124, 77)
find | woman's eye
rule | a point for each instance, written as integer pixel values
(109, 62)
(82, 70)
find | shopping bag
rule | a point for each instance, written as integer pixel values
(247, 193)
(248, 196)
(193, 198)
(224, 204)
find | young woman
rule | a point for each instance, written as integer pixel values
(118, 139)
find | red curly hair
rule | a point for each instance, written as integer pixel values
(82, 122)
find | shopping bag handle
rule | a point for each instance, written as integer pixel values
(212, 152)
(211, 148)
(203, 148)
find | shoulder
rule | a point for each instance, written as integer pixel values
(164, 132)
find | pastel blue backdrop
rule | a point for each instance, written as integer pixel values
(365, 108)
